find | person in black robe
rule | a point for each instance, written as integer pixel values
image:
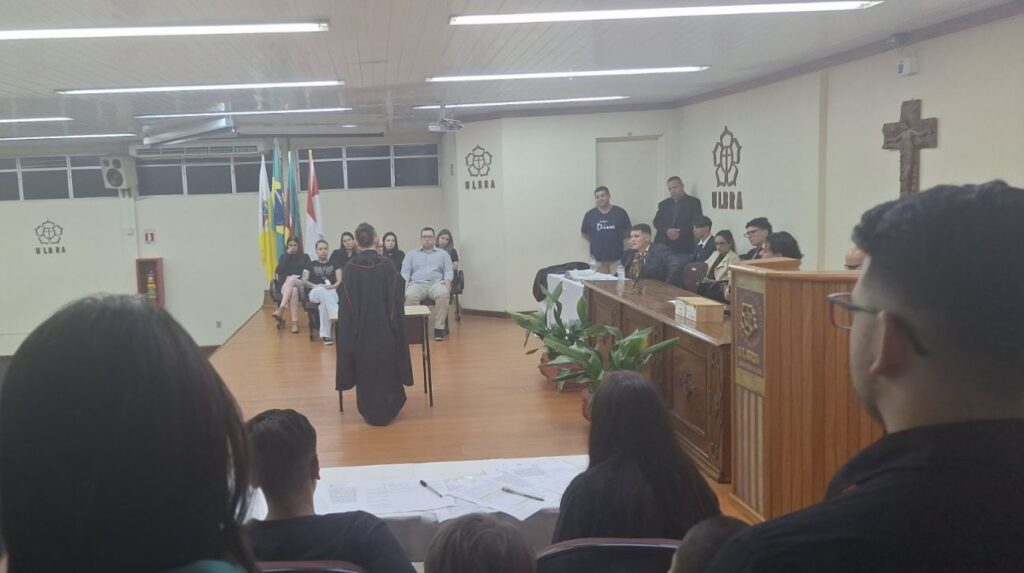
(373, 353)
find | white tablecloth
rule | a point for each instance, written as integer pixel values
(415, 530)
(572, 292)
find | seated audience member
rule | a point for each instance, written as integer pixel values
(479, 543)
(639, 482)
(854, 259)
(757, 231)
(428, 273)
(702, 543)
(289, 277)
(286, 467)
(121, 448)
(341, 256)
(704, 244)
(322, 277)
(606, 228)
(941, 372)
(781, 244)
(390, 249)
(446, 243)
(715, 282)
(656, 261)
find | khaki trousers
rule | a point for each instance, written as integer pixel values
(416, 292)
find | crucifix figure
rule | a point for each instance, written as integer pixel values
(910, 135)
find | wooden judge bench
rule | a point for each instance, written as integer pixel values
(694, 377)
(763, 399)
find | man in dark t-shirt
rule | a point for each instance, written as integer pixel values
(286, 468)
(606, 226)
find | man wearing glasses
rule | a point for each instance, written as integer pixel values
(428, 274)
(757, 231)
(936, 357)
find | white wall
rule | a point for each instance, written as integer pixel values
(972, 81)
(208, 245)
(778, 168)
(545, 170)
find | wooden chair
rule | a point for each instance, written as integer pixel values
(608, 555)
(309, 567)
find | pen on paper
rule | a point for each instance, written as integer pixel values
(507, 489)
(427, 485)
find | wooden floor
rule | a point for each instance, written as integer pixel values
(489, 399)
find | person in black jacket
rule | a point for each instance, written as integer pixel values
(286, 468)
(704, 242)
(675, 218)
(639, 482)
(758, 230)
(389, 248)
(656, 261)
(289, 278)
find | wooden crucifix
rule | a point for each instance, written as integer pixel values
(910, 135)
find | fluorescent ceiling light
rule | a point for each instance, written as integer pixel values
(350, 125)
(638, 13)
(34, 119)
(574, 74)
(83, 136)
(213, 87)
(526, 102)
(149, 31)
(234, 113)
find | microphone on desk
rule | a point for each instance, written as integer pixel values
(427, 485)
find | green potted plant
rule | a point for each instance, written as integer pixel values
(626, 353)
(548, 324)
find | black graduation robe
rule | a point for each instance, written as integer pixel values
(373, 351)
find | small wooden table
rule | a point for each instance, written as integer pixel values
(417, 331)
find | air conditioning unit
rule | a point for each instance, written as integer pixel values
(119, 172)
(231, 148)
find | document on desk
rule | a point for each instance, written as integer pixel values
(379, 498)
(486, 490)
(549, 475)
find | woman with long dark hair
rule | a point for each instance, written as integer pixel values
(445, 242)
(639, 483)
(121, 448)
(346, 251)
(716, 281)
(289, 277)
(389, 248)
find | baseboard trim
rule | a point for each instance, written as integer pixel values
(490, 313)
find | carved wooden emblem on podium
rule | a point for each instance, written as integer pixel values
(910, 135)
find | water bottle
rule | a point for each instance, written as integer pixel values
(593, 263)
(621, 273)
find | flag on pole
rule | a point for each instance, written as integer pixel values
(278, 210)
(294, 211)
(268, 245)
(314, 218)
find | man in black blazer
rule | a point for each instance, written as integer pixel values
(758, 230)
(704, 241)
(675, 218)
(656, 260)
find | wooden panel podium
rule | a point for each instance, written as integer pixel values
(796, 417)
